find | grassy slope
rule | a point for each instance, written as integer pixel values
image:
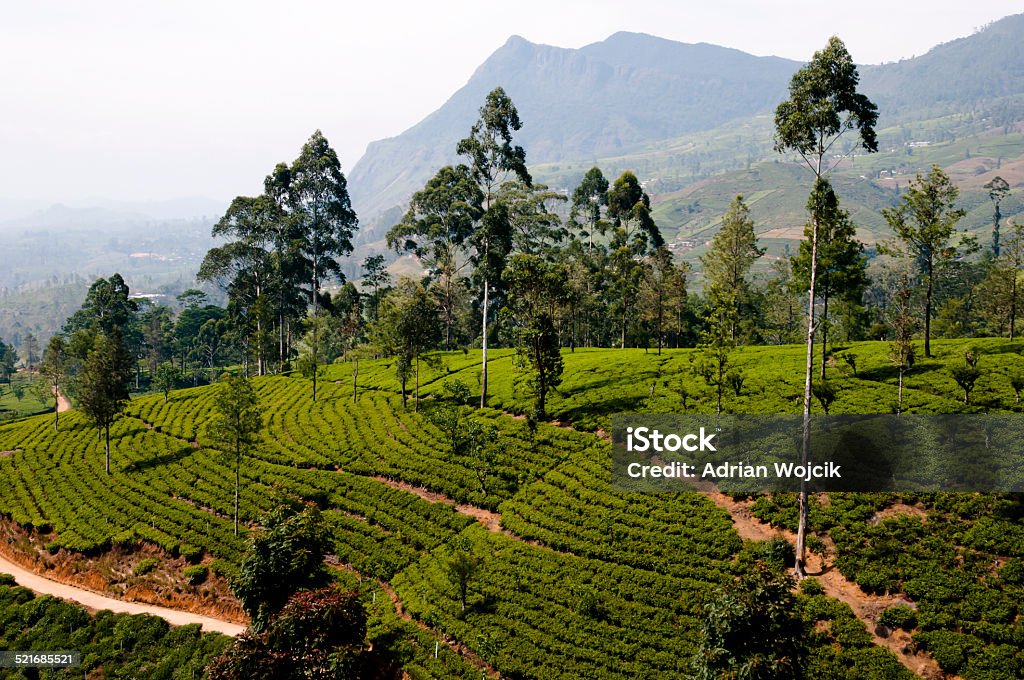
(616, 581)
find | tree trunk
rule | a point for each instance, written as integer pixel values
(801, 535)
(899, 398)
(622, 332)
(824, 335)
(928, 313)
(280, 341)
(448, 313)
(660, 315)
(416, 406)
(483, 369)
(238, 464)
(355, 381)
(106, 429)
(572, 329)
(1013, 302)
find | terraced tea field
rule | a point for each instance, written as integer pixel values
(577, 581)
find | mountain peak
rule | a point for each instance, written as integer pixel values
(613, 97)
(515, 40)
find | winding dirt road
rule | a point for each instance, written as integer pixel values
(95, 601)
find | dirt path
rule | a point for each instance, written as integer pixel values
(866, 607)
(489, 518)
(95, 601)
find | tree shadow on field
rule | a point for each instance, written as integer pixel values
(162, 459)
(886, 374)
(600, 383)
(604, 408)
(1007, 348)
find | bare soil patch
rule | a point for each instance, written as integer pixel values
(111, 575)
(898, 510)
(865, 607)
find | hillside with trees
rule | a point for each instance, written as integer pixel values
(406, 473)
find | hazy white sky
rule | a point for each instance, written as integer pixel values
(144, 100)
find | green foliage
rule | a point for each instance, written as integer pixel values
(107, 309)
(36, 397)
(650, 560)
(924, 223)
(823, 104)
(588, 199)
(811, 586)
(191, 553)
(752, 629)
(841, 274)
(284, 558)
(900, 616)
(146, 566)
(111, 645)
(462, 566)
(727, 264)
(318, 634)
(408, 328)
(630, 208)
(536, 285)
(221, 568)
(236, 423)
(102, 385)
(735, 380)
(436, 229)
(166, 378)
(489, 144)
(826, 394)
(967, 376)
(195, 574)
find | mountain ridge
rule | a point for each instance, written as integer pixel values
(580, 105)
(552, 88)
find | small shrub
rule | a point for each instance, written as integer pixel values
(196, 574)
(778, 553)
(950, 649)
(221, 568)
(811, 586)
(145, 566)
(7, 580)
(900, 616)
(1013, 571)
(816, 546)
(191, 553)
(587, 602)
(872, 581)
(735, 380)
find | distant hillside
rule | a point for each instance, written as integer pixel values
(952, 77)
(578, 103)
(680, 113)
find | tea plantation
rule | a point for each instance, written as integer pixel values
(579, 582)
